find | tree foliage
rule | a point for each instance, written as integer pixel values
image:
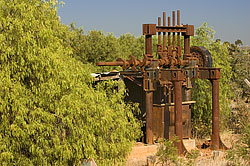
(239, 121)
(94, 46)
(240, 62)
(49, 112)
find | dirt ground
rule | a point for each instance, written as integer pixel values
(144, 155)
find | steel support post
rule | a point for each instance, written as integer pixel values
(148, 44)
(149, 122)
(215, 114)
(178, 114)
(185, 57)
(149, 96)
(186, 47)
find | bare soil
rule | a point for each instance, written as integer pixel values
(144, 155)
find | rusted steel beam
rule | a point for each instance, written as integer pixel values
(169, 37)
(159, 46)
(215, 115)
(178, 114)
(173, 17)
(213, 74)
(132, 79)
(164, 33)
(178, 36)
(209, 73)
(177, 78)
(149, 119)
(181, 28)
(178, 17)
(149, 97)
(149, 29)
(137, 74)
(169, 94)
(170, 29)
(148, 46)
(159, 33)
(189, 30)
(186, 47)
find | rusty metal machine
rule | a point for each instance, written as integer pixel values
(163, 85)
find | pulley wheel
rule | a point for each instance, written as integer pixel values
(203, 55)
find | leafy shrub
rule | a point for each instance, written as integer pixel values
(192, 156)
(240, 123)
(167, 152)
(49, 112)
(94, 46)
(240, 62)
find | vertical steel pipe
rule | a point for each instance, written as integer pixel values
(159, 33)
(178, 17)
(169, 37)
(178, 115)
(149, 120)
(178, 35)
(173, 17)
(186, 47)
(169, 94)
(185, 57)
(163, 111)
(148, 44)
(159, 46)
(215, 114)
(164, 33)
(149, 97)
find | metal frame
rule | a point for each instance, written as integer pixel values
(172, 70)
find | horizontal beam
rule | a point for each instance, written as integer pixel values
(152, 29)
(170, 29)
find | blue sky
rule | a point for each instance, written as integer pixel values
(229, 18)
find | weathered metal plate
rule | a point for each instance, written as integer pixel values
(164, 121)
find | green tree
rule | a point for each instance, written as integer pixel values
(78, 42)
(239, 121)
(240, 62)
(95, 46)
(131, 46)
(49, 112)
(101, 47)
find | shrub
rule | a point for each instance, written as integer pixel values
(49, 112)
(167, 152)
